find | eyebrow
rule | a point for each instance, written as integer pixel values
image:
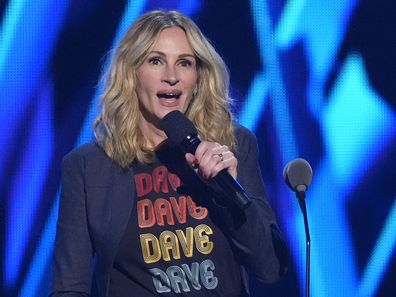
(164, 55)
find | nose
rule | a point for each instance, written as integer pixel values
(170, 75)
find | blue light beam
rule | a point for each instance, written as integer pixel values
(43, 253)
(380, 257)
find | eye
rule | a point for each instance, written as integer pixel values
(185, 63)
(154, 61)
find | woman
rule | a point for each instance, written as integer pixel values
(137, 213)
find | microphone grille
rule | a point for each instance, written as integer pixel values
(177, 126)
(298, 174)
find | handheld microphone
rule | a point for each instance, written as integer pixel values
(181, 132)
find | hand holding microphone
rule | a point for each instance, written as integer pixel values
(216, 161)
(210, 158)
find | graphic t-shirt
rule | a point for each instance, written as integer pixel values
(172, 245)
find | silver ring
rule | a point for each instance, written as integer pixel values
(221, 157)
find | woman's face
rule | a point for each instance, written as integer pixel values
(168, 76)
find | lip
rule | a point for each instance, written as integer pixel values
(169, 97)
(169, 94)
(169, 102)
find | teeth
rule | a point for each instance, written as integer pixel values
(169, 95)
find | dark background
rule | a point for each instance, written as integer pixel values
(312, 79)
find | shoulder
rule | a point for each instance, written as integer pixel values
(88, 159)
(241, 132)
(87, 151)
(245, 139)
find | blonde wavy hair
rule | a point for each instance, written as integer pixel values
(117, 126)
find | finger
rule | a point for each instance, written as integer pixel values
(229, 163)
(208, 161)
(218, 154)
(211, 167)
(191, 160)
(205, 153)
(205, 148)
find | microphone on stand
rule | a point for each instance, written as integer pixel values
(181, 132)
(298, 176)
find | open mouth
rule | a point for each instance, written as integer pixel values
(169, 98)
(169, 95)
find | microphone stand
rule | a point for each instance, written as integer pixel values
(301, 201)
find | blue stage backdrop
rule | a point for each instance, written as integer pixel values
(312, 79)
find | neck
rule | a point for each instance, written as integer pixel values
(152, 135)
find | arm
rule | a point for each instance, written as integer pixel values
(253, 232)
(72, 265)
(257, 239)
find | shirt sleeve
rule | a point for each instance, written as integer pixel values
(73, 254)
(254, 233)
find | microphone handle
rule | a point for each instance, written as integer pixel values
(233, 189)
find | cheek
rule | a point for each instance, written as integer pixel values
(144, 89)
(141, 83)
(145, 79)
(192, 80)
(142, 93)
